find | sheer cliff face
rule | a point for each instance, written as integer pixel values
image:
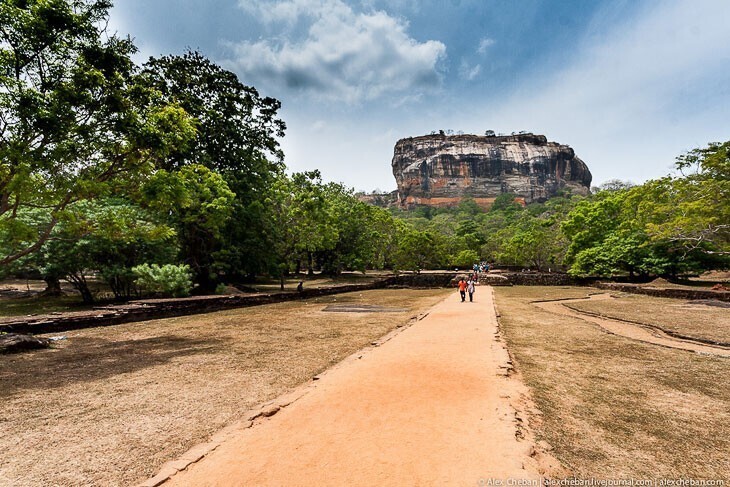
(439, 170)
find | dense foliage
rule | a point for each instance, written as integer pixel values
(75, 122)
(155, 178)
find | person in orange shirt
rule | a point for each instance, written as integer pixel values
(462, 289)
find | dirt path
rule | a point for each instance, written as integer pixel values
(635, 331)
(431, 406)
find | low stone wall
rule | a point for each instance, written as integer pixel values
(547, 279)
(423, 280)
(688, 294)
(532, 279)
(494, 280)
(149, 309)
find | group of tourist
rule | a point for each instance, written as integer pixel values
(481, 267)
(467, 287)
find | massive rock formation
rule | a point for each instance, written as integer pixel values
(439, 170)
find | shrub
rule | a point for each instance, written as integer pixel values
(221, 289)
(170, 280)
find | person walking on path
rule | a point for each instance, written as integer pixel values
(470, 290)
(462, 289)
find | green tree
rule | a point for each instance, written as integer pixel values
(692, 211)
(465, 259)
(300, 220)
(360, 232)
(608, 236)
(75, 123)
(109, 236)
(533, 244)
(237, 129)
(471, 234)
(417, 250)
(237, 136)
(505, 202)
(199, 204)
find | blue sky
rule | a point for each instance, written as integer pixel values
(629, 84)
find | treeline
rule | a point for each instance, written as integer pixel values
(158, 177)
(671, 226)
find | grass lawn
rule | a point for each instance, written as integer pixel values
(676, 315)
(108, 406)
(613, 407)
(37, 305)
(317, 281)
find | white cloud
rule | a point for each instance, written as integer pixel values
(484, 44)
(319, 126)
(636, 95)
(345, 55)
(468, 72)
(291, 11)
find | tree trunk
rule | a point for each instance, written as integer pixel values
(53, 286)
(86, 295)
(79, 282)
(206, 284)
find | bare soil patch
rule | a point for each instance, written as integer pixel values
(691, 319)
(613, 407)
(108, 406)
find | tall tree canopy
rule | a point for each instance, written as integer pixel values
(237, 128)
(237, 132)
(74, 121)
(693, 211)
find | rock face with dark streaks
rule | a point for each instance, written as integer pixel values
(439, 170)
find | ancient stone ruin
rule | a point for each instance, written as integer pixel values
(440, 170)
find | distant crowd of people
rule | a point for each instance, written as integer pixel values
(481, 267)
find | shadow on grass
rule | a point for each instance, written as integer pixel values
(92, 359)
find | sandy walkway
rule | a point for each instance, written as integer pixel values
(635, 331)
(428, 407)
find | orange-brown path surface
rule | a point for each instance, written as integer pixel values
(428, 407)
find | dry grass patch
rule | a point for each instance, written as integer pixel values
(316, 281)
(685, 318)
(109, 405)
(613, 407)
(690, 285)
